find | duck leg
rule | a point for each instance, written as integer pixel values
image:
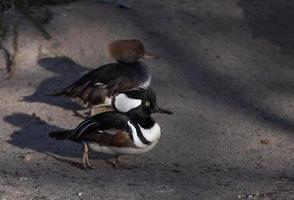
(116, 162)
(86, 162)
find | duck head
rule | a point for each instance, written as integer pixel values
(139, 102)
(128, 51)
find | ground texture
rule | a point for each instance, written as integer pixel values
(225, 69)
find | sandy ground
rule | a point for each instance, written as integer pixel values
(225, 69)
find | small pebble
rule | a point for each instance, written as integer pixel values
(265, 142)
(79, 194)
(27, 157)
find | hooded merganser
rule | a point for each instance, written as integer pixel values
(129, 130)
(97, 87)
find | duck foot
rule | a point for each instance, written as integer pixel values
(116, 163)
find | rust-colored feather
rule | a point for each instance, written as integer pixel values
(127, 51)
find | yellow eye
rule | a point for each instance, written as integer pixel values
(147, 103)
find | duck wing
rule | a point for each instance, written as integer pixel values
(106, 81)
(109, 128)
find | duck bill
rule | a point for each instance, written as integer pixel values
(157, 109)
(148, 55)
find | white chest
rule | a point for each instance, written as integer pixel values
(152, 134)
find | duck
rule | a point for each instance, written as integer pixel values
(96, 88)
(129, 130)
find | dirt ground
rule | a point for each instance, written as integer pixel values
(225, 70)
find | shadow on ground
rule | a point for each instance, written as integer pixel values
(272, 20)
(33, 134)
(66, 72)
(217, 86)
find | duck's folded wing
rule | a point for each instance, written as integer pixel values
(95, 78)
(100, 75)
(101, 127)
(102, 82)
(113, 137)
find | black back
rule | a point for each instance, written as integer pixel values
(101, 122)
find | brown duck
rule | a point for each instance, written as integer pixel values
(97, 87)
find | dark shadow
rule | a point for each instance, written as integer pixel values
(67, 161)
(272, 20)
(33, 134)
(230, 92)
(218, 87)
(66, 72)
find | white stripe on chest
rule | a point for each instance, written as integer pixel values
(152, 134)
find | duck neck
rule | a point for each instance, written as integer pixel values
(145, 121)
(144, 131)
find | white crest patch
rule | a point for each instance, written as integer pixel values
(124, 104)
